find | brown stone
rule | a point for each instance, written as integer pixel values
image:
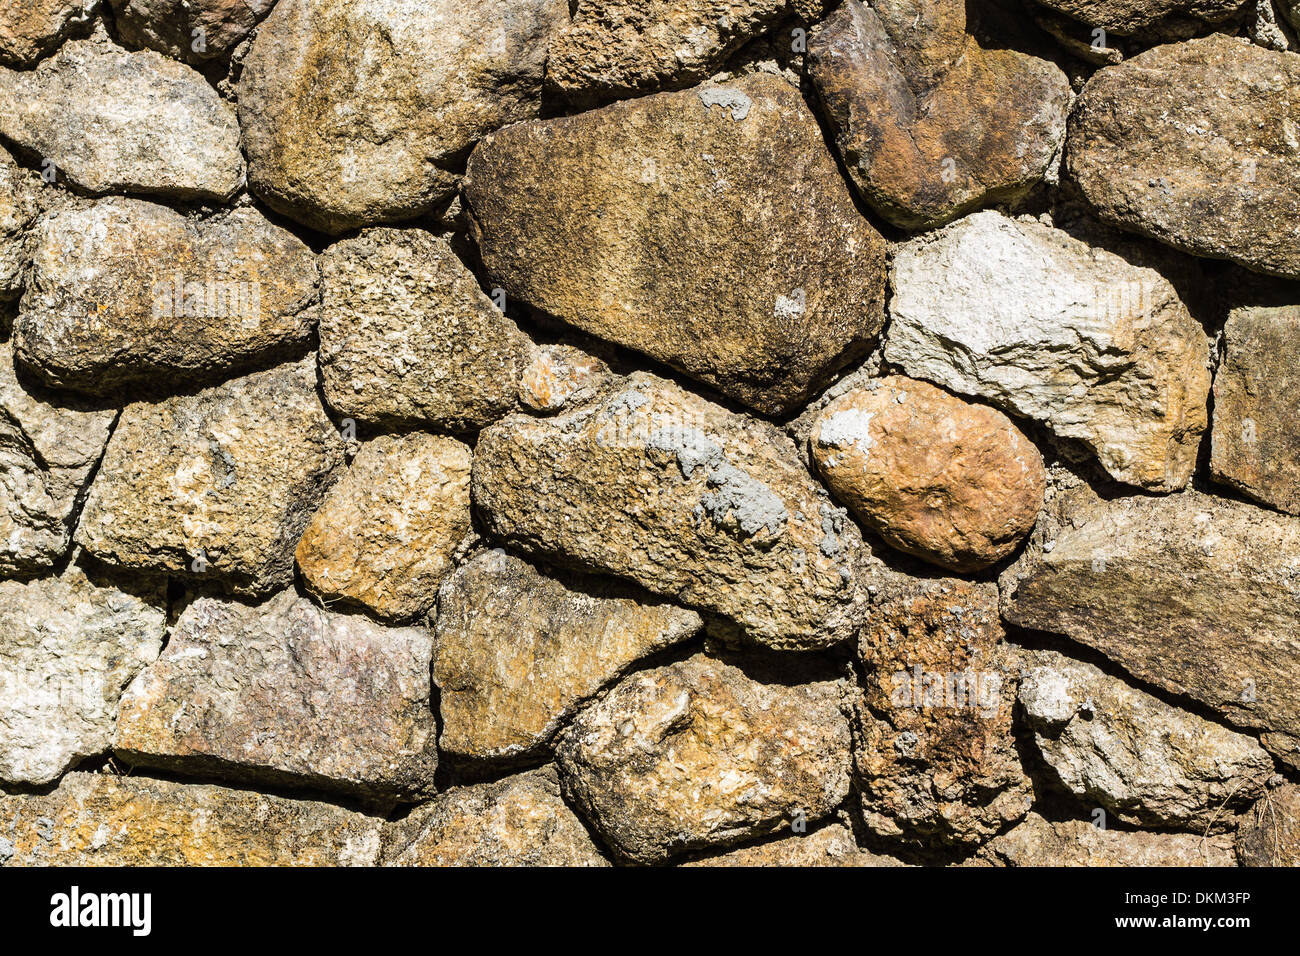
(832, 845)
(193, 30)
(1269, 833)
(29, 29)
(1040, 842)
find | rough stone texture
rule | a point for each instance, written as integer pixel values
(832, 845)
(518, 651)
(193, 30)
(1195, 144)
(1040, 842)
(287, 693)
(1160, 18)
(68, 646)
(559, 376)
(1255, 441)
(17, 211)
(697, 754)
(935, 756)
(518, 821)
(1140, 759)
(1134, 577)
(48, 447)
(385, 535)
(956, 484)
(217, 485)
(98, 820)
(407, 336)
(357, 112)
(113, 121)
(709, 229)
(124, 292)
(659, 486)
(1269, 835)
(29, 29)
(614, 49)
(1037, 322)
(929, 123)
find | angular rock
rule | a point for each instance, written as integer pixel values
(192, 30)
(929, 123)
(697, 754)
(68, 646)
(18, 209)
(408, 337)
(832, 845)
(1196, 144)
(614, 49)
(935, 755)
(113, 121)
(1167, 19)
(1040, 842)
(518, 651)
(1134, 577)
(29, 29)
(385, 535)
(1269, 835)
(1135, 756)
(954, 483)
(128, 293)
(216, 486)
(659, 486)
(518, 821)
(372, 130)
(709, 229)
(558, 376)
(1044, 326)
(287, 694)
(100, 820)
(1255, 441)
(49, 445)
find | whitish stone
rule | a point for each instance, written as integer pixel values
(1044, 326)
(1040, 842)
(559, 376)
(832, 845)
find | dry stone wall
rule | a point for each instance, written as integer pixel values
(674, 432)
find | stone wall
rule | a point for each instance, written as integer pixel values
(626, 432)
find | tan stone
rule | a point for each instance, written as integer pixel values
(1269, 834)
(832, 845)
(560, 375)
(29, 29)
(1040, 842)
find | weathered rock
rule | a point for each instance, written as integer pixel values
(657, 485)
(48, 447)
(935, 756)
(217, 485)
(929, 123)
(697, 754)
(1195, 144)
(18, 209)
(288, 694)
(1040, 842)
(518, 651)
(128, 293)
(68, 646)
(1255, 441)
(408, 337)
(1037, 322)
(29, 29)
(621, 48)
(1269, 835)
(518, 821)
(193, 30)
(1134, 577)
(373, 129)
(709, 229)
(385, 535)
(832, 845)
(113, 121)
(956, 484)
(1133, 755)
(560, 375)
(1157, 19)
(100, 820)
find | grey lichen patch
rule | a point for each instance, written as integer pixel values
(692, 448)
(727, 98)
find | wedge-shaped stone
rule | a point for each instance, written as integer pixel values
(519, 650)
(657, 485)
(218, 485)
(290, 694)
(113, 121)
(1044, 326)
(709, 229)
(68, 646)
(1040, 842)
(698, 754)
(99, 820)
(128, 293)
